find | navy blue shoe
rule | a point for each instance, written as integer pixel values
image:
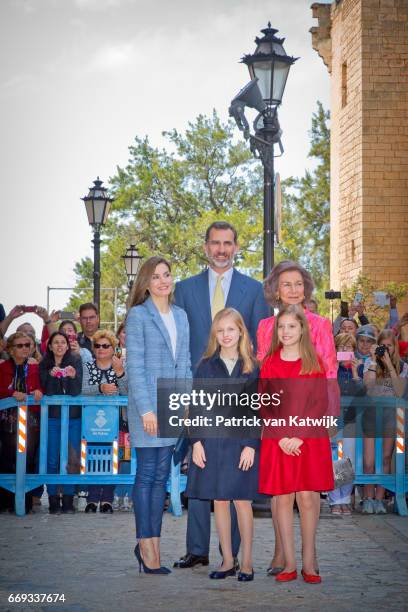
(148, 570)
(220, 575)
(243, 577)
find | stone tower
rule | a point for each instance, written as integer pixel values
(364, 44)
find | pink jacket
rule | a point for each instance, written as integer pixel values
(322, 339)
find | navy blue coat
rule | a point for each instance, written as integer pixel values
(245, 295)
(221, 478)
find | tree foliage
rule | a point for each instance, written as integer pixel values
(165, 198)
(306, 208)
(363, 283)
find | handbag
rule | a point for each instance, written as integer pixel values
(181, 447)
(343, 472)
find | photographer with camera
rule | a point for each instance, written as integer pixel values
(384, 376)
(366, 338)
(348, 312)
(69, 329)
(49, 321)
(61, 374)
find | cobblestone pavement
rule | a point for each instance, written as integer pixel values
(89, 558)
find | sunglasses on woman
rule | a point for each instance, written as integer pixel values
(104, 346)
(22, 345)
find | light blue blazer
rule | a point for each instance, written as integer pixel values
(149, 356)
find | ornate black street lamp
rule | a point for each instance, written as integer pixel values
(269, 68)
(132, 261)
(97, 204)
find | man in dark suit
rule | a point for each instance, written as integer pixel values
(202, 296)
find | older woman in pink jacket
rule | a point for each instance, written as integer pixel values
(290, 283)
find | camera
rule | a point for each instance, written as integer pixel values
(59, 373)
(332, 295)
(381, 350)
(65, 315)
(345, 356)
(30, 309)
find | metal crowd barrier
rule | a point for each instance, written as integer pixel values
(21, 482)
(397, 481)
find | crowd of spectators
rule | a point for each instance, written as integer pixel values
(66, 361)
(376, 366)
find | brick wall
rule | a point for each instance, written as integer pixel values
(384, 50)
(368, 61)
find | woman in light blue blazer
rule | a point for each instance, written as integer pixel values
(157, 346)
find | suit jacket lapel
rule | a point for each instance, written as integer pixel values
(155, 314)
(237, 290)
(202, 297)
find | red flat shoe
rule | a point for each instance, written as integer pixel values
(311, 578)
(286, 576)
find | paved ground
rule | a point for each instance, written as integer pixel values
(89, 558)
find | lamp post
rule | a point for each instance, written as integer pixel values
(132, 261)
(268, 68)
(97, 204)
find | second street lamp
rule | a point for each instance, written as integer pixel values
(132, 261)
(97, 204)
(269, 68)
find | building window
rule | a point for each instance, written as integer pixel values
(343, 84)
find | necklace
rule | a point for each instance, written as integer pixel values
(230, 359)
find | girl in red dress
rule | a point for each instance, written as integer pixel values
(290, 466)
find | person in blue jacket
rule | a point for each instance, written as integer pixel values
(157, 347)
(202, 296)
(225, 469)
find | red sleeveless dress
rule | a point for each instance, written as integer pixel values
(312, 470)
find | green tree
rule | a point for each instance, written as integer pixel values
(164, 199)
(306, 206)
(364, 284)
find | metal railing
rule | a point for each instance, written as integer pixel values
(397, 481)
(21, 482)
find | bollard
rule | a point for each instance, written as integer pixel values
(21, 461)
(115, 457)
(83, 456)
(400, 443)
(22, 429)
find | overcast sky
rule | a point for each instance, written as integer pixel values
(79, 79)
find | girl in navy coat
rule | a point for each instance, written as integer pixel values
(227, 469)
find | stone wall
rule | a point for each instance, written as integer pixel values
(364, 44)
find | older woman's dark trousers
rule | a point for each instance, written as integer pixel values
(149, 491)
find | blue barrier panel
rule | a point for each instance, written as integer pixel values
(396, 482)
(21, 482)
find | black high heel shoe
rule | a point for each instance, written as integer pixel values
(148, 570)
